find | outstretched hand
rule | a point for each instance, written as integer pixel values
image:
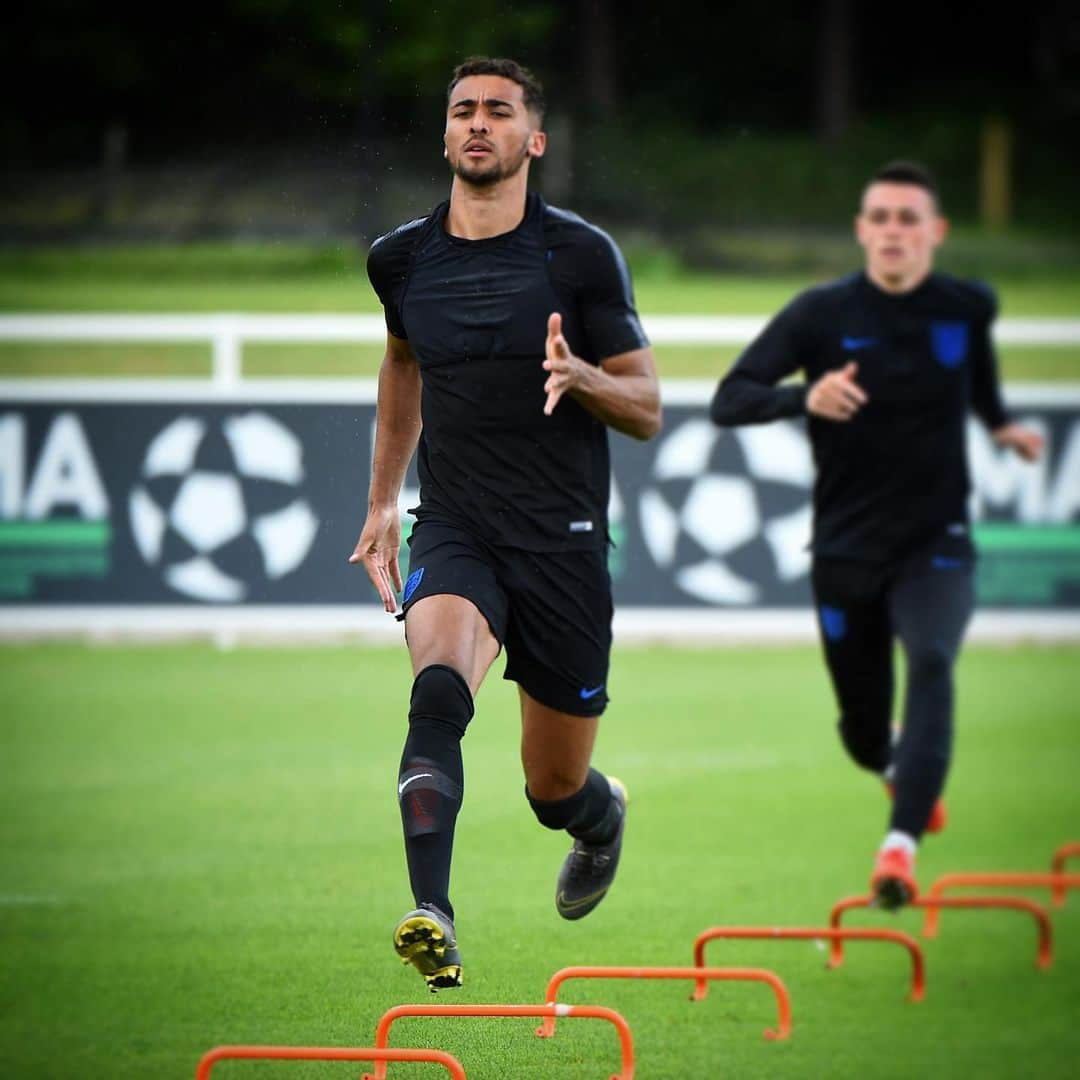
(564, 367)
(836, 395)
(377, 549)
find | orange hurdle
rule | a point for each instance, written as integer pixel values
(1057, 882)
(832, 933)
(585, 1012)
(783, 1001)
(1057, 866)
(1044, 947)
(326, 1053)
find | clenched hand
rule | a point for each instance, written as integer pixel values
(836, 395)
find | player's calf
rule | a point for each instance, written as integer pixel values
(939, 815)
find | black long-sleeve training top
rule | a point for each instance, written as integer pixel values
(475, 313)
(895, 474)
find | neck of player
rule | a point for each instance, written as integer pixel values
(897, 284)
(479, 212)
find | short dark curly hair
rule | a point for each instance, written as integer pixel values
(907, 172)
(532, 92)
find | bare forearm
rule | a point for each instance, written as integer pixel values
(629, 403)
(397, 428)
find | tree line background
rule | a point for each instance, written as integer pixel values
(323, 118)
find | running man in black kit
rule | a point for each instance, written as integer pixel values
(512, 345)
(894, 357)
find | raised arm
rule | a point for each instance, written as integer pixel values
(613, 375)
(397, 429)
(622, 391)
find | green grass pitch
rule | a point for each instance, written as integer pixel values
(202, 847)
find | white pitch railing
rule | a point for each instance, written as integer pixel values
(227, 333)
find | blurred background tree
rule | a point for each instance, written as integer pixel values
(323, 119)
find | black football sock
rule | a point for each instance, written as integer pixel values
(591, 814)
(431, 780)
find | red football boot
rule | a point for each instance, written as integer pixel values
(893, 880)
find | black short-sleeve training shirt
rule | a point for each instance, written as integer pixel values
(897, 472)
(475, 313)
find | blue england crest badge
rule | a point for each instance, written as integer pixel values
(949, 341)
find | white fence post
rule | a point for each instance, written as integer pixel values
(228, 361)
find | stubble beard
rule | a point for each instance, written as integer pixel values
(492, 175)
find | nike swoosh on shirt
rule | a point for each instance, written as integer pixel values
(586, 693)
(405, 783)
(852, 344)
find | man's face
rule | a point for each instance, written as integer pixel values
(489, 132)
(899, 227)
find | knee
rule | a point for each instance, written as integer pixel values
(440, 698)
(864, 742)
(929, 662)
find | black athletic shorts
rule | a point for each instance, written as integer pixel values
(551, 611)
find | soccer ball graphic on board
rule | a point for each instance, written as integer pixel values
(724, 510)
(217, 507)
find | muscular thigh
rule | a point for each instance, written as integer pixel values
(454, 609)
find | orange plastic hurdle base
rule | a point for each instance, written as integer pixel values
(1044, 949)
(831, 933)
(1010, 879)
(585, 1012)
(783, 1001)
(1057, 866)
(326, 1053)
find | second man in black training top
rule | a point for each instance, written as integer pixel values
(895, 358)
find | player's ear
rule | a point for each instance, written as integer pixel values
(941, 229)
(537, 144)
(860, 234)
